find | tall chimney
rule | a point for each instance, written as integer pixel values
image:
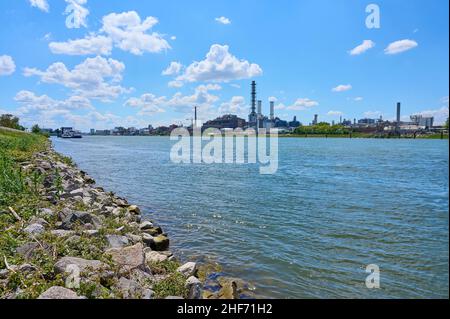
(253, 96)
(272, 110)
(259, 107)
(397, 126)
(195, 116)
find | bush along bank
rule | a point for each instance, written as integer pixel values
(61, 237)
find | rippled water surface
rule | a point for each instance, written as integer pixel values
(333, 207)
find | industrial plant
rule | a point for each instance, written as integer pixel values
(418, 124)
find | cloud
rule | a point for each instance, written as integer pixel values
(302, 104)
(91, 45)
(125, 31)
(223, 20)
(363, 47)
(175, 84)
(220, 66)
(400, 46)
(342, 88)
(236, 86)
(95, 78)
(173, 68)
(236, 106)
(148, 104)
(129, 33)
(358, 99)
(7, 65)
(173, 38)
(29, 102)
(334, 113)
(272, 99)
(77, 13)
(40, 4)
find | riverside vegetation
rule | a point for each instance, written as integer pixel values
(53, 218)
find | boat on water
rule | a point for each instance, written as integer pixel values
(70, 133)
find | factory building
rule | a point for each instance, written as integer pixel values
(227, 121)
(422, 121)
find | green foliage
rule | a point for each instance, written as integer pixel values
(321, 128)
(10, 121)
(172, 285)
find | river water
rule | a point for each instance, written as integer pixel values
(309, 231)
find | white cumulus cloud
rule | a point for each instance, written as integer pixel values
(220, 66)
(129, 33)
(223, 20)
(7, 65)
(363, 47)
(40, 4)
(125, 31)
(302, 104)
(342, 88)
(400, 46)
(91, 45)
(95, 78)
(173, 68)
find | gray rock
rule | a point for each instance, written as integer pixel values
(57, 292)
(194, 287)
(141, 277)
(91, 232)
(4, 273)
(145, 225)
(134, 238)
(129, 289)
(62, 233)
(117, 212)
(188, 269)
(158, 243)
(129, 257)
(174, 297)
(38, 220)
(116, 241)
(147, 294)
(34, 229)
(79, 217)
(26, 268)
(155, 257)
(45, 212)
(82, 264)
(134, 209)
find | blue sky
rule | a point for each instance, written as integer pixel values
(108, 70)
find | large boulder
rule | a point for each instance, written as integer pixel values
(152, 256)
(194, 286)
(129, 257)
(158, 243)
(188, 269)
(57, 292)
(83, 264)
(134, 209)
(116, 241)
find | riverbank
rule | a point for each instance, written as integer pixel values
(61, 236)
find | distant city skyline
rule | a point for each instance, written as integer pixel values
(133, 63)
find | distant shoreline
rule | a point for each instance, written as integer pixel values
(345, 136)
